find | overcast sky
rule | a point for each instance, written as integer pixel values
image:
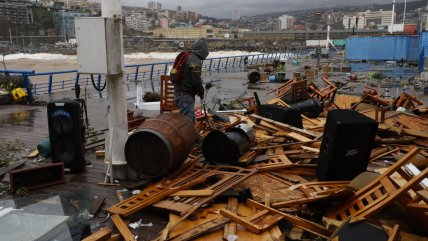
(224, 8)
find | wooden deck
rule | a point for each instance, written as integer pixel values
(29, 124)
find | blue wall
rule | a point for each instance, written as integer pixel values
(423, 49)
(381, 48)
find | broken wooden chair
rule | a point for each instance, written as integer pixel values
(327, 93)
(382, 191)
(407, 101)
(166, 95)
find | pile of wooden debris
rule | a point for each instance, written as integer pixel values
(272, 192)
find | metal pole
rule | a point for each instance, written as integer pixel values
(404, 16)
(117, 118)
(393, 16)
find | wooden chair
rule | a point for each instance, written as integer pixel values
(167, 95)
(382, 191)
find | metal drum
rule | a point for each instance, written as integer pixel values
(227, 147)
(160, 145)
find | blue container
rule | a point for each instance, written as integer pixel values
(272, 78)
(44, 147)
(382, 48)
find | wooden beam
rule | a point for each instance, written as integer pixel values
(201, 229)
(101, 235)
(194, 193)
(242, 221)
(123, 228)
(299, 222)
(230, 228)
(288, 127)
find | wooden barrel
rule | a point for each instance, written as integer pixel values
(160, 145)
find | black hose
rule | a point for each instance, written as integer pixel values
(95, 86)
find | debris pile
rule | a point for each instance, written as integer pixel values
(344, 174)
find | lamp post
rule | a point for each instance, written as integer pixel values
(63, 26)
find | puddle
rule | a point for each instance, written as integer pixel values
(74, 205)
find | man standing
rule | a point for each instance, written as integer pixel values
(191, 83)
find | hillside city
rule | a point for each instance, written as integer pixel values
(37, 24)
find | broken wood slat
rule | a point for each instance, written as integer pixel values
(101, 235)
(394, 234)
(201, 229)
(275, 162)
(380, 192)
(194, 193)
(289, 145)
(317, 191)
(115, 237)
(287, 127)
(37, 177)
(384, 154)
(11, 166)
(297, 137)
(157, 192)
(173, 207)
(229, 177)
(411, 132)
(251, 223)
(197, 174)
(96, 204)
(230, 228)
(424, 195)
(123, 228)
(304, 224)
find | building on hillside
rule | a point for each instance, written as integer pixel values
(164, 23)
(208, 32)
(235, 15)
(138, 21)
(354, 22)
(303, 35)
(17, 12)
(378, 19)
(154, 5)
(286, 22)
(64, 23)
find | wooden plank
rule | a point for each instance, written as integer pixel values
(173, 207)
(194, 193)
(11, 166)
(298, 137)
(96, 204)
(242, 221)
(424, 195)
(103, 234)
(115, 237)
(123, 228)
(230, 228)
(201, 229)
(299, 222)
(288, 127)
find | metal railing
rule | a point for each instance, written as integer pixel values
(51, 82)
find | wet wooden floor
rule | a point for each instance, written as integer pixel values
(29, 124)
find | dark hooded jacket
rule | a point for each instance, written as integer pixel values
(191, 83)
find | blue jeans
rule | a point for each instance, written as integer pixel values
(186, 104)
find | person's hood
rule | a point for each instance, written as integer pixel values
(200, 48)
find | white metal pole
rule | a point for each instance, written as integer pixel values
(393, 16)
(117, 118)
(404, 16)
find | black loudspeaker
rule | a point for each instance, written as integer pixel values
(66, 134)
(346, 145)
(282, 114)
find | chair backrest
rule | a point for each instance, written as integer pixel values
(167, 94)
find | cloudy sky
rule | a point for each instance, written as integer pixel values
(224, 8)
